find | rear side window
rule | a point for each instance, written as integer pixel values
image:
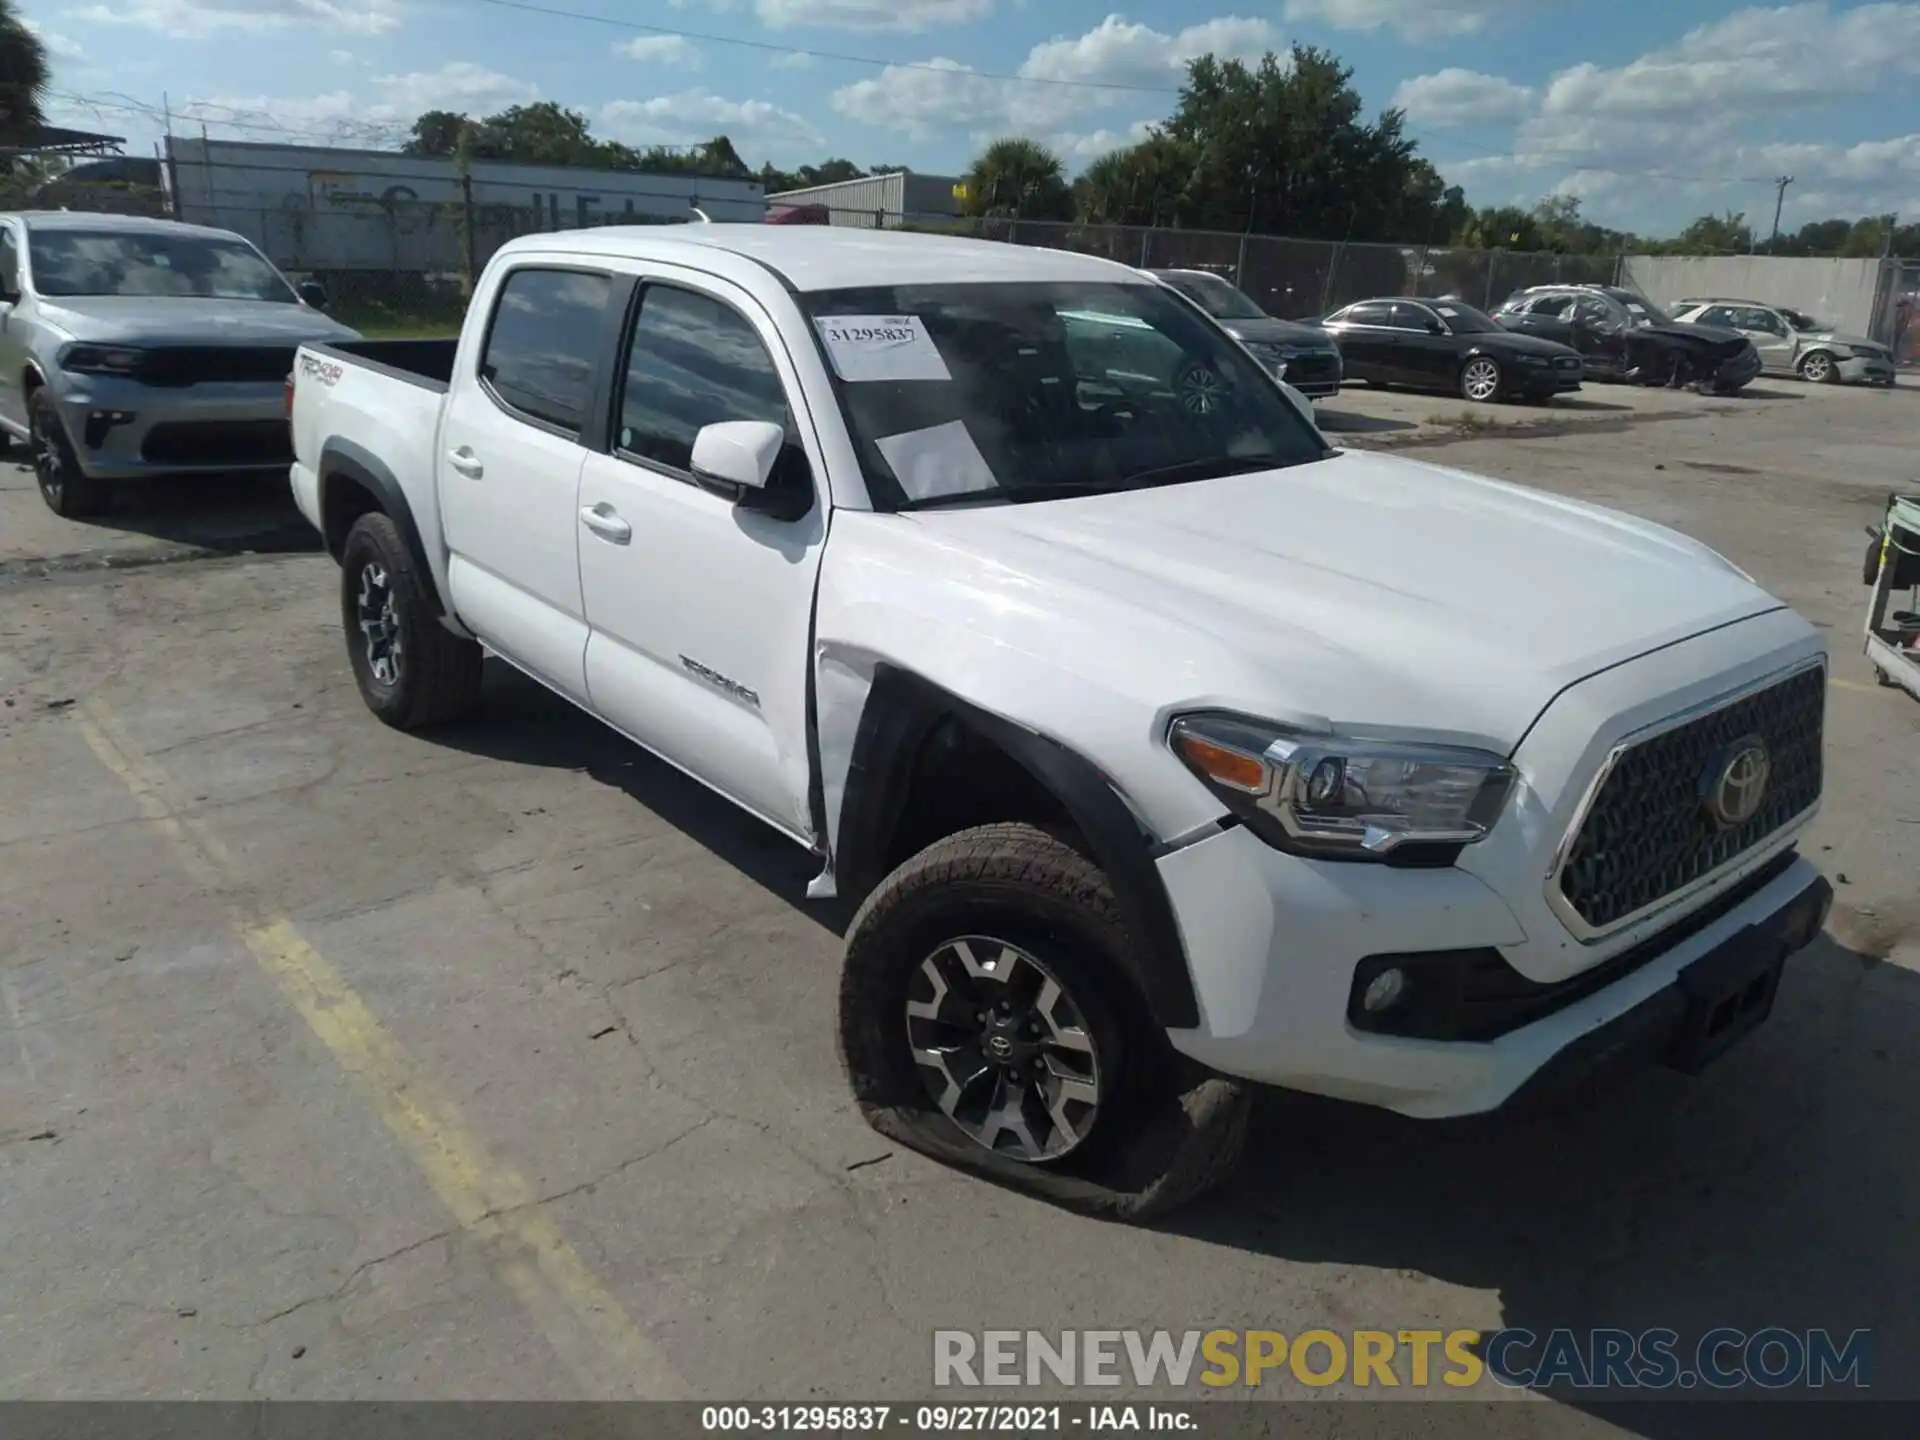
(695, 361)
(540, 347)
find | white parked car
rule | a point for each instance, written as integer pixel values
(1162, 747)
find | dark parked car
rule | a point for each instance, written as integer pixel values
(1305, 356)
(1624, 336)
(1448, 345)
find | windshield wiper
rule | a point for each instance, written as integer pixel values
(1012, 494)
(1213, 467)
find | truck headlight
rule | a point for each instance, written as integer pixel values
(1336, 798)
(100, 360)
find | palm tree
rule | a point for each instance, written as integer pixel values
(23, 75)
(1019, 178)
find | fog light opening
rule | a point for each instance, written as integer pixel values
(1384, 991)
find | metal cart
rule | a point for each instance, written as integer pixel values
(1893, 569)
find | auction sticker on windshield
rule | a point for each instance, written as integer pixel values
(881, 347)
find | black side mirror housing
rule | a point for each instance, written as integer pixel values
(1434, 327)
(312, 292)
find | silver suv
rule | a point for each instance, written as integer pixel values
(132, 347)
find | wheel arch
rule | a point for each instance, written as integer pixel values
(902, 713)
(352, 482)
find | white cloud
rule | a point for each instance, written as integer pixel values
(1461, 97)
(196, 19)
(1415, 19)
(341, 57)
(697, 115)
(385, 113)
(870, 14)
(943, 94)
(794, 60)
(60, 47)
(673, 50)
(1082, 149)
(1684, 128)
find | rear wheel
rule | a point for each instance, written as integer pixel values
(1480, 379)
(1818, 368)
(68, 490)
(412, 671)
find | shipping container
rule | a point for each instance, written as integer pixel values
(880, 201)
(319, 208)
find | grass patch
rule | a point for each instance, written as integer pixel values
(1463, 420)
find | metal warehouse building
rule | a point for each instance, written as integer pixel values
(879, 201)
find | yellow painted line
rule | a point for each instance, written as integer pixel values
(489, 1201)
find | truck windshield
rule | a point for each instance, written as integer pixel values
(135, 263)
(1001, 393)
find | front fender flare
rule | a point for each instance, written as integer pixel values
(901, 709)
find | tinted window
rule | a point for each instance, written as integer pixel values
(1765, 321)
(1464, 319)
(1030, 391)
(1716, 315)
(152, 264)
(1410, 317)
(9, 263)
(539, 357)
(1217, 297)
(695, 362)
(1368, 312)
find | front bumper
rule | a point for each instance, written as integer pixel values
(1740, 370)
(1866, 370)
(1274, 943)
(124, 430)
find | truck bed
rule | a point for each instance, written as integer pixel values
(427, 363)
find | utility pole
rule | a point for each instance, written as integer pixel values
(1779, 202)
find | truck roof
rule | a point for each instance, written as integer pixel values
(842, 257)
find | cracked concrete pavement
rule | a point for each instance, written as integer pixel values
(618, 984)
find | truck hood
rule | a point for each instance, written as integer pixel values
(1363, 590)
(1840, 337)
(1270, 331)
(179, 320)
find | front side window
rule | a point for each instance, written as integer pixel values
(1410, 317)
(152, 264)
(973, 393)
(1763, 321)
(695, 361)
(1717, 315)
(9, 263)
(541, 344)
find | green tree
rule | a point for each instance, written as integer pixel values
(436, 133)
(1727, 234)
(24, 74)
(1020, 179)
(1501, 227)
(1286, 150)
(1145, 184)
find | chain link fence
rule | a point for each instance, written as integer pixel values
(399, 266)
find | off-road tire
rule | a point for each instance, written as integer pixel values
(1165, 1133)
(68, 491)
(439, 673)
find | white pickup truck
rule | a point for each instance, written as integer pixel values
(1162, 747)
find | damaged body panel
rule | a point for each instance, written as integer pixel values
(1623, 336)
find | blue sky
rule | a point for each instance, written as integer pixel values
(1653, 111)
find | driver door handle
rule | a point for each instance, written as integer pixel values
(466, 462)
(605, 522)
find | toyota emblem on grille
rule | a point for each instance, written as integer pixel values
(1736, 783)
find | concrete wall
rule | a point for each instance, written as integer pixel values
(1840, 292)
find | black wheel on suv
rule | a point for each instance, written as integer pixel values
(412, 671)
(986, 1018)
(68, 490)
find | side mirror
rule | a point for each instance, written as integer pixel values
(1434, 327)
(737, 454)
(312, 292)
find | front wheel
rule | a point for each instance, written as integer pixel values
(1480, 379)
(412, 671)
(68, 490)
(1819, 369)
(988, 1018)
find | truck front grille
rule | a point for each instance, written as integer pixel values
(1649, 831)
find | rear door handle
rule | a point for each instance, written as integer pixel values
(605, 522)
(466, 462)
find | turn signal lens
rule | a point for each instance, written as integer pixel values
(1221, 764)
